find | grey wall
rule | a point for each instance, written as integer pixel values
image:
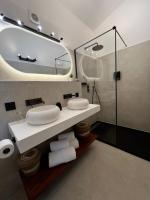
(51, 92)
(133, 88)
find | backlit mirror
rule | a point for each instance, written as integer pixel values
(31, 53)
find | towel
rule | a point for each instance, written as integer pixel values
(74, 143)
(61, 144)
(61, 156)
(69, 135)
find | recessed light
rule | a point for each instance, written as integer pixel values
(19, 22)
(1, 16)
(39, 28)
(52, 34)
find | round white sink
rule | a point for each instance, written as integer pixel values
(42, 114)
(78, 103)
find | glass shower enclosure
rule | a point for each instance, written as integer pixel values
(104, 67)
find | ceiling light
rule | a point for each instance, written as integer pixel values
(1, 16)
(52, 34)
(19, 22)
(39, 28)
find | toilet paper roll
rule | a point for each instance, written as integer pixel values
(6, 148)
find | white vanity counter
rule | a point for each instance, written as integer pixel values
(28, 136)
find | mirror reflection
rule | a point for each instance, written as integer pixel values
(31, 53)
(92, 67)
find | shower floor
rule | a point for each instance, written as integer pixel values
(130, 140)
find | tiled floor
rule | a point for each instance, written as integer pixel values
(103, 173)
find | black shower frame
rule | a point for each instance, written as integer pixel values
(114, 28)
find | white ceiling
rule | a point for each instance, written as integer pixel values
(91, 12)
(75, 20)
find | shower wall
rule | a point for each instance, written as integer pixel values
(133, 88)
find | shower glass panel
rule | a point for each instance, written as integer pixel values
(133, 102)
(118, 77)
(98, 67)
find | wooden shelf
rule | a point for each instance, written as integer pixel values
(36, 184)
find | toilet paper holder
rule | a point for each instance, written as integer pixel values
(13, 139)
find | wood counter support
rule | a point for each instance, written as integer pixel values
(36, 184)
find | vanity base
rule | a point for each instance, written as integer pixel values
(36, 184)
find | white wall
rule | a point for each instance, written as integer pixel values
(54, 16)
(132, 20)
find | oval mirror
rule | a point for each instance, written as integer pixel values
(91, 68)
(31, 53)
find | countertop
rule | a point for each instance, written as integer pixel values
(28, 136)
(102, 173)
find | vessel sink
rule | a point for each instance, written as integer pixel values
(42, 114)
(78, 103)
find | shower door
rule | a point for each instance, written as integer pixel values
(96, 69)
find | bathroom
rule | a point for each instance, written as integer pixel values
(85, 67)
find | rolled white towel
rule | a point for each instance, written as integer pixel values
(61, 144)
(61, 156)
(69, 135)
(74, 143)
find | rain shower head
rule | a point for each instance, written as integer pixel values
(97, 47)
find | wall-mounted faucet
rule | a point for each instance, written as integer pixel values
(26, 58)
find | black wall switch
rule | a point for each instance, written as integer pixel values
(10, 106)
